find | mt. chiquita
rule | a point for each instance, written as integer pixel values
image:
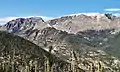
(87, 43)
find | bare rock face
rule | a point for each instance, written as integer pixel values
(22, 24)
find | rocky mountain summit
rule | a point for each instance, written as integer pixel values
(70, 24)
(75, 23)
(92, 40)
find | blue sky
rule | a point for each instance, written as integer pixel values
(55, 8)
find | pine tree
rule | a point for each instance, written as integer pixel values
(99, 67)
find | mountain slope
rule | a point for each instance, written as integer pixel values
(63, 43)
(19, 55)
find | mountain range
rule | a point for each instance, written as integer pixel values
(94, 40)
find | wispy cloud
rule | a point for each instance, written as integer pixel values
(112, 9)
(6, 19)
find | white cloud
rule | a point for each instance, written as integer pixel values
(112, 9)
(117, 14)
(6, 19)
(93, 14)
(88, 14)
